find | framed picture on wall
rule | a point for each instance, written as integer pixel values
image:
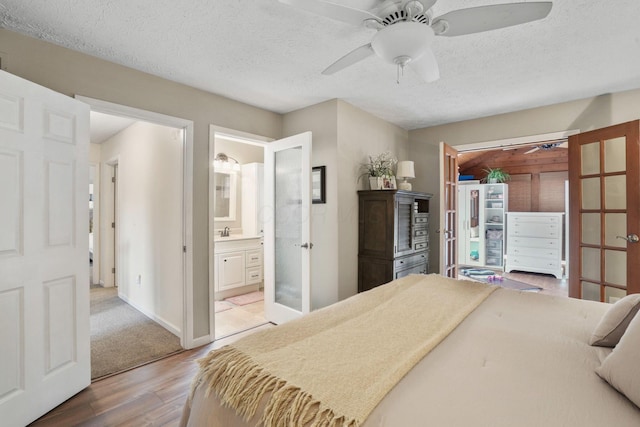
(318, 194)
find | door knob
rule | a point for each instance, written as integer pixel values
(631, 238)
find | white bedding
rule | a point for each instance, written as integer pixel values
(520, 359)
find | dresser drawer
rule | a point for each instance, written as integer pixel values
(532, 242)
(418, 232)
(532, 262)
(410, 260)
(539, 230)
(421, 219)
(418, 269)
(534, 252)
(254, 258)
(538, 219)
(254, 275)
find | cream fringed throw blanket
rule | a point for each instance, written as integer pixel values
(333, 366)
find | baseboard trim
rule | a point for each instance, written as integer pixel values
(200, 341)
(159, 320)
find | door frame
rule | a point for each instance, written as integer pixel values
(187, 338)
(95, 273)
(500, 143)
(234, 135)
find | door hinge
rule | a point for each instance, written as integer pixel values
(184, 249)
(113, 270)
(113, 225)
(113, 179)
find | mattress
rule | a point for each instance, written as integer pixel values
(519, 359)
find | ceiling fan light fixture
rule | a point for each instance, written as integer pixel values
(403, 39)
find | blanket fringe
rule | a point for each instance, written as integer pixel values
(241, 384)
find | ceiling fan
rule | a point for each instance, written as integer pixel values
(406, 28)
(549, 146)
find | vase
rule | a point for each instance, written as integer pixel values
(375, 182)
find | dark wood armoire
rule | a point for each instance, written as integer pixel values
(393, 236)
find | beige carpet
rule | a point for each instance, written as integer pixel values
(122, 337)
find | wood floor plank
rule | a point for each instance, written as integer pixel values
(150, 395)
(126, 411)
(73, 416)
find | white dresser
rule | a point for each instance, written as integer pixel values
(534, 242)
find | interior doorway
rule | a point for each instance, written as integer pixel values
(145, 191)
(236, 201)
(538, 166)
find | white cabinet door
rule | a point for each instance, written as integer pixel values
(231, 270)
(44, 249)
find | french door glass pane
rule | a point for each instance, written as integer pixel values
(591, 228)
(288, 230)
(590, 291)
(590, 158)
(612, 295)
(615, 224)
(615, 192)
(615, 267)
(591, 264)
(591, 193)
(615, 159)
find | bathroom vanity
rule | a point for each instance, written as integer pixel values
(238, 265)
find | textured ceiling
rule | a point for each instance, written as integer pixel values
(270, 55)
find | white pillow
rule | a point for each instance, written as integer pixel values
(620, 368)
(615, 321)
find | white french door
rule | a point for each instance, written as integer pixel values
(44, 249)
(287, 237)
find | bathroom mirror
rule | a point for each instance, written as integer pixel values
(225, 195)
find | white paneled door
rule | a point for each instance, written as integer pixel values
(44, 268)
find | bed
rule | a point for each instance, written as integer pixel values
(514, 358)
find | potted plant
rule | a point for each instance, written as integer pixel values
(496, 175)
(379, 169)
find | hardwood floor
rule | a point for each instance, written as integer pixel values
(151, 395)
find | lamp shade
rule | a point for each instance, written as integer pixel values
(405, 169)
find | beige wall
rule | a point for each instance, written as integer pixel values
(321, 120)
(343, 137)
(149, 214)
(584, 115)
(72, 73)
(359, 135)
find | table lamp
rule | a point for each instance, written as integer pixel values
(405, 170)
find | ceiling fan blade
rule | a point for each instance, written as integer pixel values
(332, 10)
(426, 67)
(485, 18)
(349, 59)
(533, 150)
(427, 4)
